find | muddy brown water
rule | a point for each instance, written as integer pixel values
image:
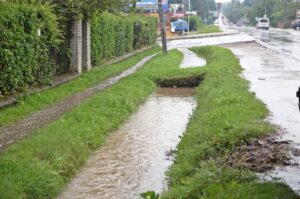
(133, 159)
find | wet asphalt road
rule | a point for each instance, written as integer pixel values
(284, 41)
(272, 66)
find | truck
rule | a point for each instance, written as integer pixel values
(295, 24)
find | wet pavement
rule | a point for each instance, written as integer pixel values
(286, 42)
(191, 59)
(12, 133)
(134, 158)
(275, 79)
(187, 43)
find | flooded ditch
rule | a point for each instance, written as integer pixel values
(134, 158)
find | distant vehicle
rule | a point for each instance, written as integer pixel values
(179, 25)
(296, 24)
(263, 23)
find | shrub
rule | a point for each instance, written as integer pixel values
(195, 22)
(114, 35)
(24, 55)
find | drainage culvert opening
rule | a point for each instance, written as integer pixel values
(192, 81)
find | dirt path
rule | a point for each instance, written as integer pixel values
(14, 132)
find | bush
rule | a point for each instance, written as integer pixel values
(195, 22)
(115, 35)
(24, 55)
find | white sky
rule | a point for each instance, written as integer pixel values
(222, 1)
(225, 1)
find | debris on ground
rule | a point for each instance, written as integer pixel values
(261, 155)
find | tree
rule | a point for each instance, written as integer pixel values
(203, 6)
(277, 10)
(79, 8)
(236, 11)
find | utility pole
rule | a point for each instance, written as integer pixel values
(162, 27)
(189, 2)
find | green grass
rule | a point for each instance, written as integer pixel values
(46, 98)
(227, 114)
(40, 165)
(208, 29)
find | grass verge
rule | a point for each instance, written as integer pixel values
(40, 165)
(227, 115)
(208, 29)
(46, 98)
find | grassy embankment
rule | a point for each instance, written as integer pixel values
(46, 98)
(40, 165)
(208, 29)
(227, 115)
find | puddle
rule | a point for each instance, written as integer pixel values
(133, 159)
(275, 79)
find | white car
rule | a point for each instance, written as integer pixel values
(263, 23)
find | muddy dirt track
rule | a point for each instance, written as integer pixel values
(12, 133)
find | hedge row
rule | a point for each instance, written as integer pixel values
(24, 53)
(114, 35)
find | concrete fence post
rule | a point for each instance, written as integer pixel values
(76, 46)
(86, 45)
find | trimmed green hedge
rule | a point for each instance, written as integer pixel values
(114, 35)
(24, 55)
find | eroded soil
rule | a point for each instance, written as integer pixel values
(262, 155)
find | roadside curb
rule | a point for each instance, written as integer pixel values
(264, 45)
(11, 100)
(199, 36)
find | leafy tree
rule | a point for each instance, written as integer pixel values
(236, 11)
(276, 10)
(203, 6)
(79, 8)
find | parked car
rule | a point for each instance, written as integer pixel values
(263, 23)
(296, 24)
(179, 25)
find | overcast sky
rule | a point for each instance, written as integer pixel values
(222, 1)
(225, 1)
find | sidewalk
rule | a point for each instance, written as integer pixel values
(197, 36)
